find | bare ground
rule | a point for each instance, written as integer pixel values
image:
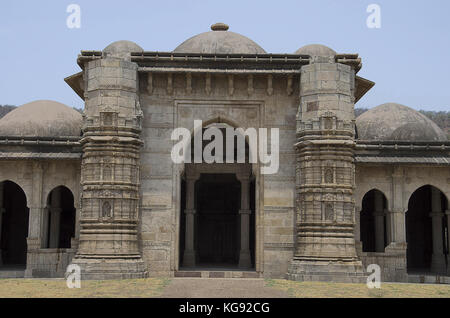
(212, 288)
(221, 288)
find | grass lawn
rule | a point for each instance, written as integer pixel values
(338, 290)
(40, 288)
(153, 287)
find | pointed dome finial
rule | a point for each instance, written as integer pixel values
(220, 27)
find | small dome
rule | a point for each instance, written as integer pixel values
(397, 123)
(121, 49)
(43, 118)
(316, 50)
(219, 41)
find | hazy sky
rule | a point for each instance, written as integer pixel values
(408, 57)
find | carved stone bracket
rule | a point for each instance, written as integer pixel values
(269, 84)
(289, 89)
(250, 88)
(150, 83)
(188, 83)
(169, 84)
(230, 85)
(208, 84)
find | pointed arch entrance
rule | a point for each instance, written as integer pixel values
(427, 231)
(217, 213)
(373, 221)
(14, 215)
(59, 219)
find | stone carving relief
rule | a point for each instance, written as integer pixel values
(329, 178)
(329, 212)
(106, 209)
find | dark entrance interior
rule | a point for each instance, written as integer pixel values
(14, 226)
(367, 220)
(218, 201)
(217, 221)
(419, 233)
(65, 230)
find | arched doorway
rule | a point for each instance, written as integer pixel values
(14, 216)
(373, 221)
(426, 229)
(59, 219)
(217, 212)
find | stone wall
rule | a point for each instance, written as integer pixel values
(175, 100)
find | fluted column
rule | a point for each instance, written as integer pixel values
(108, 244)
(189, 249)
(244, 212)
(379, 222)
(325, 149)
(438, 257)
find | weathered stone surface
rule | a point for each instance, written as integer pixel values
(137, 212)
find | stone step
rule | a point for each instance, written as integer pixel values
(11, 273)
(217, 274)
(428, 279)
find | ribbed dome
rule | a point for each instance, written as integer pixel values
(398, 123)
(121, 49)
(219, 41)
(316, 50)
(43, 118)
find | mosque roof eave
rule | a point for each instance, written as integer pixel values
(362, 87)
(76, 82)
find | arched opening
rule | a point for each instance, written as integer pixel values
(217, 217)
(59, 219)
(373, 221)
(427, 231)
(14, 215)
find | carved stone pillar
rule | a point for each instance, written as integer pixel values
(388, 226)
(244, 254)
(397, 213)
(36, 205)
(438, 256)
(379, 221)
(398, 226)
(45, 228)
(55, 218)
(189, 255)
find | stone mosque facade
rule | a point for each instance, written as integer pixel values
(100, 190)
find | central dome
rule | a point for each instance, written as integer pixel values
(219, 41)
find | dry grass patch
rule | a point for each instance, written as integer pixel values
(57, 288)
(338, 290)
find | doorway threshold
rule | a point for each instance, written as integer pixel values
(217, 272)
(12, 272)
